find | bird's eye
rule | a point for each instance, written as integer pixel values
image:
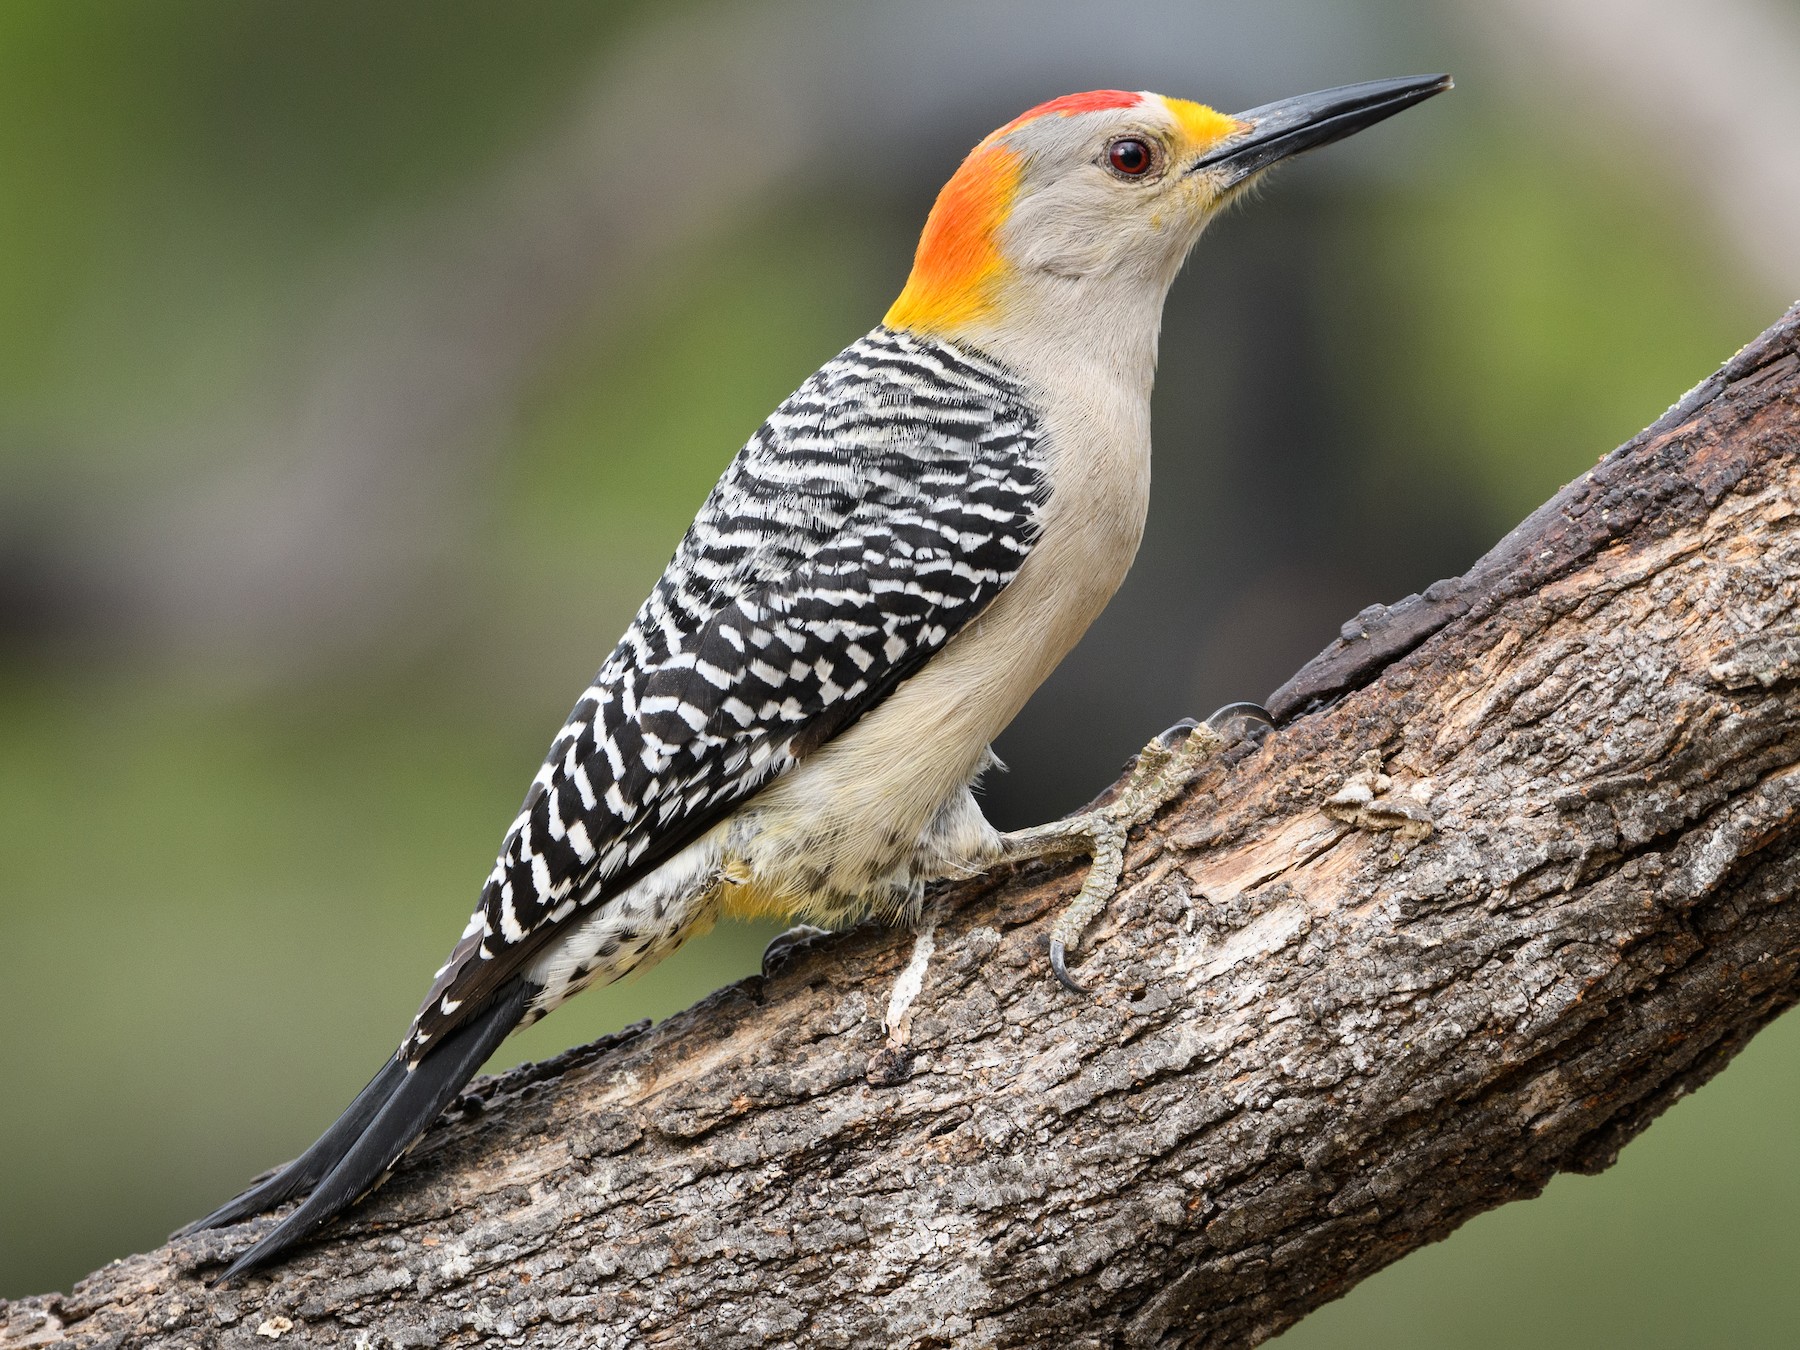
(1129, 157)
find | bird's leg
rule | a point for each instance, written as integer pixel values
(1162, 769)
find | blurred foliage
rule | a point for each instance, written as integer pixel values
(619, 445)
(1540, 304)
(178, 181)
(219, 904)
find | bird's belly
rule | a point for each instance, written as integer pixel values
(816, 852)
(871, 815)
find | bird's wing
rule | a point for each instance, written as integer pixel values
(881, 507)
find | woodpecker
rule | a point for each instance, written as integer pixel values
(795, 720)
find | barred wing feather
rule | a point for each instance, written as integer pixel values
(876, 512)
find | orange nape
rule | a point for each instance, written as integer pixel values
(958, 262)
(958, 259)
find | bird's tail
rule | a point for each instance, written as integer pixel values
(355, 1154)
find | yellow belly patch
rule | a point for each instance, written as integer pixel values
(747, 900)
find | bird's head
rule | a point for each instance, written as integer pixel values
(1094, 199)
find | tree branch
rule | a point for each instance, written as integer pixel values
(1517, 872)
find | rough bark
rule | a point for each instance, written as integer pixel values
(1516, 872)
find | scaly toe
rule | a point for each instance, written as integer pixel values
(1163, 768)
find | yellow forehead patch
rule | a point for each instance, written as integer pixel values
(1202, 127)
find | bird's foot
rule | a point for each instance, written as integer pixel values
(783, 946)
(1162, 769)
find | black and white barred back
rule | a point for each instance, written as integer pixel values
(880, 508)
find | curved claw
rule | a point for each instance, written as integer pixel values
(1176, 734)
(1240, 712)
(783, 946)
(1057, 964)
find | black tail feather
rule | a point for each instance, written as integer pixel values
(381, 1124)
(302, 1174)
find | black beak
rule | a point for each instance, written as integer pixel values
(1279, 130)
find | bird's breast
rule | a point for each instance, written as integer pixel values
(858, 808)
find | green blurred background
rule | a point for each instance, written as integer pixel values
(360, 366)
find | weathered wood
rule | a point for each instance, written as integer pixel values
(1517, 872)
